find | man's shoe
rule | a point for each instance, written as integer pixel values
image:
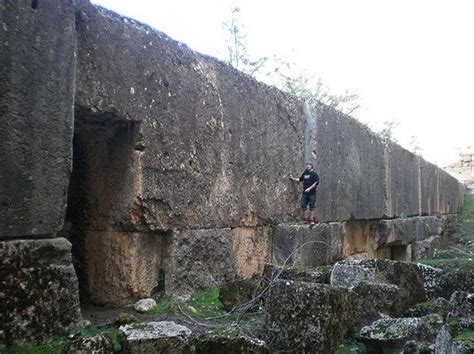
(311, 221)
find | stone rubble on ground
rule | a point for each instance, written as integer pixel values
(144, 305)
(154, 337)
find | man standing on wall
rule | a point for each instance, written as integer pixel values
(310, 181)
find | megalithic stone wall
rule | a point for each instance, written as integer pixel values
(211, 150)
(38, 285)
(180, 166)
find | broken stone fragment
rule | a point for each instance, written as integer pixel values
(237, 343)
(144, 305)
(406, 276)
(307, 317)
(373, 301)
(391, 334)
(98, 344)
(462, 305)
(154, 337)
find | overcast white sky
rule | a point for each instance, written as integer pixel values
(409, 60)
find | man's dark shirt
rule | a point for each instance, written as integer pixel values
(308, 179)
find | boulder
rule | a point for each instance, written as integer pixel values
(233, 343)
(405, 275)
(439, 306)
(372, 301)
(431, 280)
(39, 291)
(144, 305)
(461, 304)
(154, 337)
(391, 334)
(99, 344)
(307, 317)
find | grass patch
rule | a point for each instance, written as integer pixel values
(456, 264)
(55, 345)
(465, 336)
(466, 227)
(467, 213)
(349, 345)
(205, 304)
(163, 307)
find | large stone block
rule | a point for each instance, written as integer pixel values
(252, 249)
(302, 246)
(359, 237)
(407, 276)
(206, 160)
(307, 317)
(39, 294)
(451, 194)
(402, 182)
(118, 268)
(37, 65)
(429, 179)
(350, 162)
(199, 260)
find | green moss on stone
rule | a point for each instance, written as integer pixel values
(465, 336)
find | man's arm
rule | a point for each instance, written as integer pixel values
(294, 178)
(311, 187)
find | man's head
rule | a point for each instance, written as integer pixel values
(309, 166)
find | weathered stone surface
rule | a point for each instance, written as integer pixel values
(307, 317)
(450, 223)
(457, 280)
(439, 306)
(39, 294)
(118, 268)
(252, 249)
(429, 187)
(462, 305)
(316, 275)
(431, 279)
(144, 305)
(37, 64)
(232, 343)
(391, 334)
(451, 194)
(373, 300)
(154, 337)
(176, 95)
(350, 162)
(99, 344)
(406, 276)
(402, 182)
(198, 260)
(359, 237)
(427, 248)
(396, 232)
(302, 246)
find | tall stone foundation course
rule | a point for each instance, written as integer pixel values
(167, 170)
